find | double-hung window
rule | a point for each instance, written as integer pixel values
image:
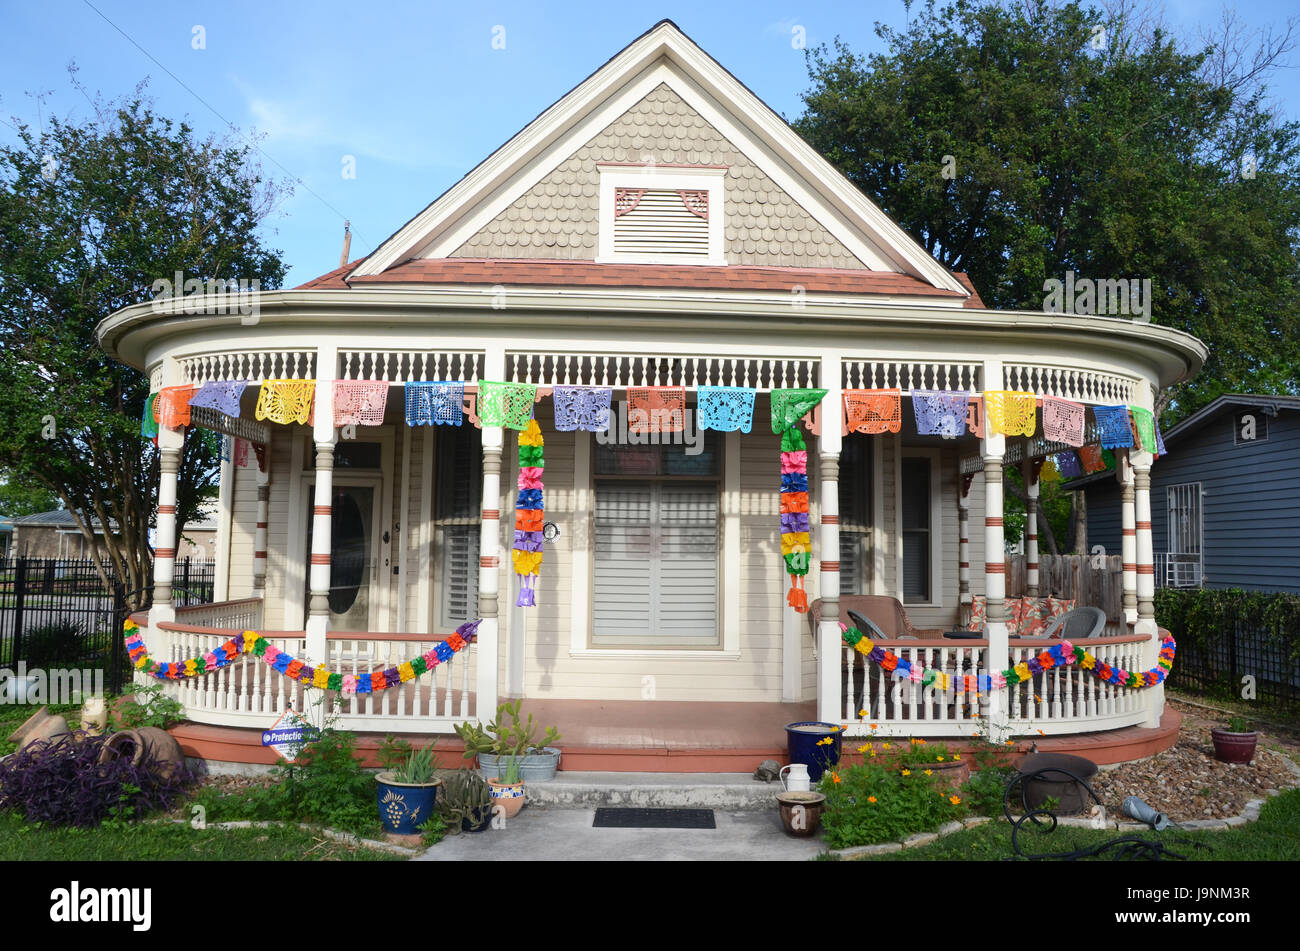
(656, 535)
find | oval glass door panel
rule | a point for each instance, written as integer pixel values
(351, 557)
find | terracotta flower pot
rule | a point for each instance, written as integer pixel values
(1232, 747)
(952, 773)
(801, 812)
(509, 796)
(146, 741)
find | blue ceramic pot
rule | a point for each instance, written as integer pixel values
(403, 807)
(801, 743)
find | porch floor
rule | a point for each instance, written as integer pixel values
(656, 736)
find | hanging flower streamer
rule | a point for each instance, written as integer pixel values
(1058, 655)
(173, 406)
(149, 418)
(1010, 412)
(1063, 421)
(1113, 426)
(940, 412)
(430, 404)
(788, 407)
(725, 409)
(250, 642)
(1160, 441)
(656, 409)
(506, 404)
(527, 553)
(286, 401)
(1091, 458)
(360, 402)
(584, 408)
(873, 411)
(1145, 424)
(1067, 463)
(221, 395)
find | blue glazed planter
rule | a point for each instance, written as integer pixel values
(801, 744)
(404, 807)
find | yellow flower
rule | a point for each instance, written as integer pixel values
(886, 746)
(956, 759)
(955, 800)
(939, 759)
(922, 742)
(862, 713)
(871, 753)
(928, 772)
(864, 748)
(871, 799)
(907, 772)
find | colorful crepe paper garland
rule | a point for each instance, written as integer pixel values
(1058, 655)
(788, 407)
(527, 553)
(293, 668)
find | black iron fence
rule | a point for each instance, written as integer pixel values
(1242, 663)
(59, 613)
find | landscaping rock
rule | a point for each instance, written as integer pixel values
(921, 838)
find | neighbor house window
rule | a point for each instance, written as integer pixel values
(661, 214)
(656, 546)
(1183, 565)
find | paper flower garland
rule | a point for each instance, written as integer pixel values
(1058, 655)
(788, 407)
(250, 642)
(527, 553)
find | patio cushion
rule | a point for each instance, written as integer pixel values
(978, 611)
(1033, 616)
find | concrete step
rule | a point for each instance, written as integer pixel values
(584, 790)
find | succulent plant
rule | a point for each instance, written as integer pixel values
(499, 738)
(463, 797)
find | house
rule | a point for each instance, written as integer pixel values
(661, 234)
(1224, 511)
(56, 535)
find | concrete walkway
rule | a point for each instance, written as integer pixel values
(548, 833)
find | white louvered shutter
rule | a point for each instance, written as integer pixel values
(663, 222)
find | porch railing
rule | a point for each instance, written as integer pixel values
(249, 693)
(1056, 701)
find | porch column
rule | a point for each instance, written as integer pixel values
(995, 581)
(830, 705)
(1146, 580)
(489, 581)
(963, 548)
(263, 518)
(322, 527)
(1128, 522)
(170, 444)
(1029, 471)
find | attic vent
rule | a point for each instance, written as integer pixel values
(661, 221)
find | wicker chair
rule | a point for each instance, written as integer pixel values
(1079, 624)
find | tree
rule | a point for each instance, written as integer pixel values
(91, 215)
(1019, 143)
(22, 498)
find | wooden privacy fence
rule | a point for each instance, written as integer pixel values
(1075, 577)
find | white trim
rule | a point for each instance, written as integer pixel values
(937, 594)
(425, 557)
(581, 547)
(878, 536)
(708, 180)
(664, 54)
(295, 605)
(703, 653)
(404, 527)
(896, 442)
(225, 506)
(730, 514)
(384, 555)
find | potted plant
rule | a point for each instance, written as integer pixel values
(465, 803)
(1236, 743)
(517, 738)
(407, 795)
(507, 789)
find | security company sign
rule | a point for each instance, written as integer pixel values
(289, 735)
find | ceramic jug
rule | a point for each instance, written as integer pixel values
(798, 780)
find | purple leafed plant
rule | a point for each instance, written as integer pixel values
(63, 783)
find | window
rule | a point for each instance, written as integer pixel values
(661, 214)
(656, 546)
(855, 515)
(458, 474)
(914, 492)
(1183, 562)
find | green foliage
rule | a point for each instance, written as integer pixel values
(463, 795)
(393, 752)
(419, 767)
(1124, 162)
(500, 738)
(1238, 725)
(150, 706)
(871, 804)
(1198, 618)
(983, 792)
(19, 498)
(58, 644)
(92, 214)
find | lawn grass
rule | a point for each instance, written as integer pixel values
(1275, 837)
(169, 841)
(12, 716)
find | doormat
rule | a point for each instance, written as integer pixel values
(629, 818)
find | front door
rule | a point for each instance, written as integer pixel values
(353, 556)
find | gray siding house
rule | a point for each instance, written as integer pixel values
(1225, 501)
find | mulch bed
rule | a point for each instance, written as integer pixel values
(1187, 782)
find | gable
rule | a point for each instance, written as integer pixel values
(558, 218)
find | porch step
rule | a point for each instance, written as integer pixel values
(586, 790)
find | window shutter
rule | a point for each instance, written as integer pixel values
(656, 563)
(916, 529)
(855, 513)
(661, 221)
(459, 466)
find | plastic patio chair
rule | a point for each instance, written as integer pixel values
(1079, 624)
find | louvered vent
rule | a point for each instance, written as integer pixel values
(661, 221)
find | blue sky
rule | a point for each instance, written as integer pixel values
(416, 93)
